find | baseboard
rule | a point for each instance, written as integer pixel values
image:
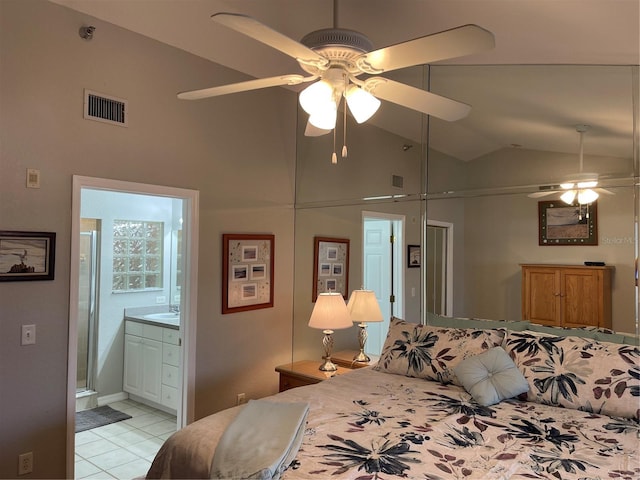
(114, 397)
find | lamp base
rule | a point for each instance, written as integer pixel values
(362, 340)
(362, 357)
(328, 365)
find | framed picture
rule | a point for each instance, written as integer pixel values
(27, 256)
(330, 266)
(247, 272)
(562, 224)
(413, 256)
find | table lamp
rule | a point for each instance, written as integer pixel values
(363, 307)
(329, 313)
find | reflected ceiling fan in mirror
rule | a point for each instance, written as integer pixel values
(580, 187)
(335, 59)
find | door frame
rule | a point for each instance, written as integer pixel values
(186, 414)
(449, 263)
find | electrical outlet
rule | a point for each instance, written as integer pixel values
(25, 463)
(160, 299)
(240, 399)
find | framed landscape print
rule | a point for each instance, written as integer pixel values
(562, 224)
(27, 256)
(330, 266)
(247, 272)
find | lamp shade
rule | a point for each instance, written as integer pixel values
(362, 104)
(363, 307)
(316, 97)
(330, 312)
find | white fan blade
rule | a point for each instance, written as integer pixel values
(313, 131)
(417, 99)
(252, 28)
(604, 190)
(542, 193)
(453, 43)
(244, 86)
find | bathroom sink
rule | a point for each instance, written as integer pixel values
(165, 317)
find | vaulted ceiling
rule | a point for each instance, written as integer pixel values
(527, 32)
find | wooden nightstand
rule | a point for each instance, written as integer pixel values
(305, 372)
(344, 358)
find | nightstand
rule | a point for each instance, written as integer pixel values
(305, 372)
(344, 358)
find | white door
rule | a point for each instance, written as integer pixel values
(382, 272)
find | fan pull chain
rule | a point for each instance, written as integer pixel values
(334, 157)
(344, 137)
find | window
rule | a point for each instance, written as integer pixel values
(137, 255)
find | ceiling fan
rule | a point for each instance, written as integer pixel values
(580, 187)
(336, 58)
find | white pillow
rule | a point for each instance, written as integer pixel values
(490, 377)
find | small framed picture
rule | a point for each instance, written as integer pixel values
(330, 259)
(247, 272)
(413, 256)
(27, 256)
(562, 224)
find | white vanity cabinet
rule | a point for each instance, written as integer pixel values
(151, 361)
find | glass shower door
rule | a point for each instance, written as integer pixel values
(87, 310)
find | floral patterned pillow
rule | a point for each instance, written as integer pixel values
(580, 373)
(423, 351)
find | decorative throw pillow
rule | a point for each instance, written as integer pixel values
(422, 351)
(579, 373)
(490, 377)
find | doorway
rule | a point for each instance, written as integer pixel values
(124, 240)
(439, 268)
(383, 237)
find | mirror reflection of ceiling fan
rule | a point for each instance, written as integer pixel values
(580, 187)
(335, 59)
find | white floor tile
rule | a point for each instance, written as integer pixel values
(98, 447)
(144, 420)
(86, 437)
(131, 470)
(146, 448)
(112, 429)
(131, 437)
(159, 428)
(85, 468)
(114, 458)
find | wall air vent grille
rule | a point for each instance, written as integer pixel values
(105, 108)
(397, 181)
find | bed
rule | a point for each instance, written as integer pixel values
(411, 417)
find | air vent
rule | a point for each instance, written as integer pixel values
(397, 181)
(105, 108)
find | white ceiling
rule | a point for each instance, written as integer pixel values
(532, 109)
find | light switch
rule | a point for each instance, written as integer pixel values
(28, 334)
(33, 178)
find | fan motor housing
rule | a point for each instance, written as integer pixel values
(339, 45)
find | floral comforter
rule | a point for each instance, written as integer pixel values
(373, 425)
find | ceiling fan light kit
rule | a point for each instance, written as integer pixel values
(582, 186)
(337, 56)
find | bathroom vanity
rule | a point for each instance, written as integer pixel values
(152, 360)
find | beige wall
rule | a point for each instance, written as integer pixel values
(246, 184)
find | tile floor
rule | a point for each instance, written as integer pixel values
(123, 450)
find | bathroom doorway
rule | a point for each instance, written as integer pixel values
(134, 254)
(383, 237)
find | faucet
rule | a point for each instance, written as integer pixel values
(174, 308)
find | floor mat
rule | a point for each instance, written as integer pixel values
(98, 417)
